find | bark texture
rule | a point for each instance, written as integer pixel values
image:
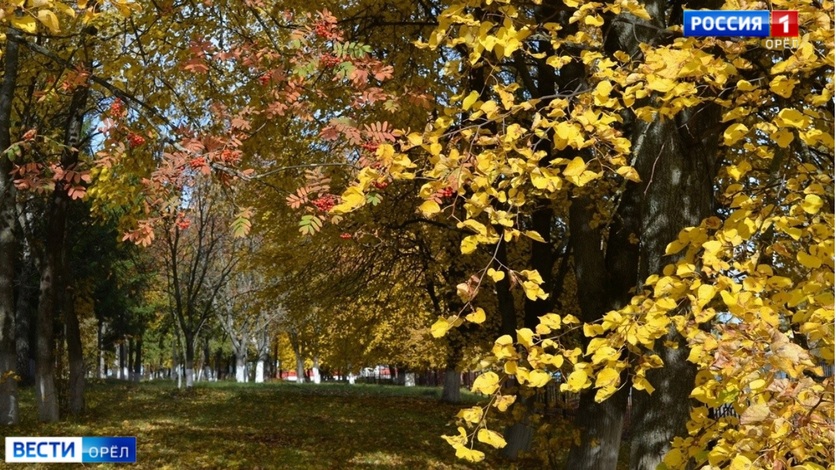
(8, 357)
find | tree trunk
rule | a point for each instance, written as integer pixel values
(53, 281)
(603, 283)
(451, 393)
(123, 361)
(240, 367)
(8, 359)
(75, 356)
(315, 377)
(27, 297)
(45, 391)
(101, 369)
(259, 371)
(219, 374)
(175, 364)
(207, 360)
(189, 362)
(679, 173)
(300, 369)
(129, 360)
(138, 359)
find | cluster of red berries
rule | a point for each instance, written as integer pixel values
(345, 235)
(229, 156)
(117, 107)
(381, 184)
(323, 30)
(183, 224)
(264, 79)
(197, 162)
(325, 203)
(446, 192)
(370, 146)
(135, 140)
(329, 60)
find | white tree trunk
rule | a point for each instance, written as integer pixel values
(315, 378)
(259, 372)
(189, 377)
(300, 370)
(240, 369)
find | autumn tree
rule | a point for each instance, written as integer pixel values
(640, 129)
(198, 259)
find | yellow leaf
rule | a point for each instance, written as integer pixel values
(740, 462)
(675, 247)
(489, 108)
(524, 336)
(478, 316)
(48, 18)
(440, 328)
(504, 340)
(704, 294)
(712, 246)
(352, 199)
(486, 383)
(629, 173)
(812, 204)
(607, 377)
(782, 86)
(538, 378)
(471, 455)
(491, 438)
(783, 137)
(575, 167)
(594, 20)
(755, 413)
(662, 85)
(471, 415)
(469, 244)
(791, 118)
(428, 208)
(25, 23)
(533, 291)
(808, 260)
(469, 100)
(496, 275)
(734, 133)
(577, 380)
(504, 401)
(474, 225)
(457, 441)
(551, 320)
(534, 236)
(570, 320)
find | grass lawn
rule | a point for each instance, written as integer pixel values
(252, 426)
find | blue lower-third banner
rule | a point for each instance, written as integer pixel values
(71, 449)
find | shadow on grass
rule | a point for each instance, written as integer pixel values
(274, 425)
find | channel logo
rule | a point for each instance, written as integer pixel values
(741, 23)
(70, 450)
